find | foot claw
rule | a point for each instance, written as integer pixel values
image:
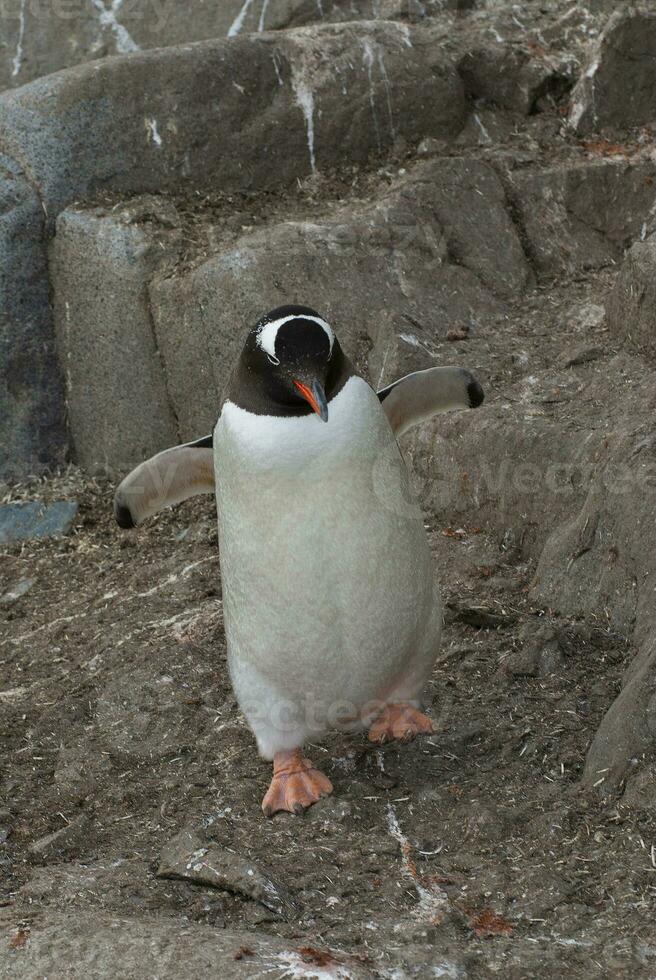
(295, 786)
(400, 722)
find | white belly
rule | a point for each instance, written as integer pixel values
(328, 588)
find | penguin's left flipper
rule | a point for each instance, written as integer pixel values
(164, 480)
(422, 394)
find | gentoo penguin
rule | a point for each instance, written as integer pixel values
(331, 608)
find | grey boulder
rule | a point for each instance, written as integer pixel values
(616, 86)
(311, 98)
(44, 37)
(101, 261)
(32, 415)
(582, 215)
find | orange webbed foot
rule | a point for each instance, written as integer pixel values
(296, 784)
(399, 722)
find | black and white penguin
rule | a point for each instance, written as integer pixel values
(331, 608)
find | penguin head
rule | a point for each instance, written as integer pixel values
(294, 355)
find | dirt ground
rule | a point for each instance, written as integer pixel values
(463, 854)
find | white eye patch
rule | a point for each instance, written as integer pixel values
(266, 335)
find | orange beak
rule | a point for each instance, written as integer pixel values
(315, 396)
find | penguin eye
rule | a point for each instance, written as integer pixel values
(272, 359)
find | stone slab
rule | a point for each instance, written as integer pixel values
(118, 406)
(193, 858)
(31, 521)
(32, 422)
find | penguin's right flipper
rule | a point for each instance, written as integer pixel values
(422, 394)
(166, 479)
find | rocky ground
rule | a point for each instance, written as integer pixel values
(519, 838)
(472, 850)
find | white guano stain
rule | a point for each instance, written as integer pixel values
(576, 114)
(124, 42)
(17, 63)
(368, 61)
(153, 132)
(305, 101)
(238, 22)
(484, 133)
(379, 385)
(585, 96)
(593, 69)
(590, 74)
(260, 26)
(405, 32)
(69, 354)
(277, 69)
(296, 968)
(432, 900)
(388, 92)
(409, 338)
